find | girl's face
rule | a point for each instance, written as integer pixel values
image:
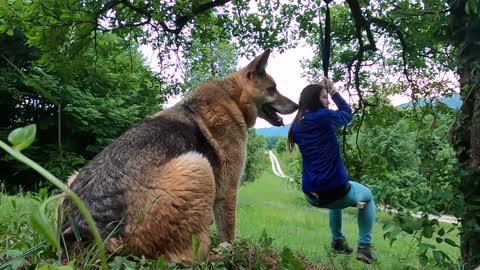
(324, 98)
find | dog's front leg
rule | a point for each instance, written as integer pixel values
(225, 209)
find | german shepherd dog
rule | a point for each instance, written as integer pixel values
(172, 175)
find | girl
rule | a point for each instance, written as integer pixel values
(325, 181)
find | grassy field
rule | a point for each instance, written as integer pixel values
(280, 209)
(270, 205)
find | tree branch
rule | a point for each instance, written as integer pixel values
(361, 22)
(145, 12)
(391, 27)
(181, 21)
(419, 12)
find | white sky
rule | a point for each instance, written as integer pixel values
(285, 69)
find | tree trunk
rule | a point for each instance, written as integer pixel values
(465, 29)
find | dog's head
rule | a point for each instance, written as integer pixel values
(259, 96)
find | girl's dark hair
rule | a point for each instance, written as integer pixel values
(309, 102)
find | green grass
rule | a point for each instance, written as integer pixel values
(268, 204)
(16, 234)
(271, 204)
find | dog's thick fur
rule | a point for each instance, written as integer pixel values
(175, 173)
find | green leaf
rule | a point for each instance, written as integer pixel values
(160, 264)
(428, 231)
(289, 261)
(196, 246)
(13, 252)
(441, 232)
(450, 242)
(445, 256)
(18, 260)
(471, 7)
(423, 259)
(21, 138)
(451, 229)
(438, 256)
(73, 224)
(43, 193)
(59, 222)
(55, 267)
(40, 224)
(423, 247)
(475, 7)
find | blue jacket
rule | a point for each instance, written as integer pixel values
(315, 135)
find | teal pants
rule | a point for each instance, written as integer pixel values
(366, 215)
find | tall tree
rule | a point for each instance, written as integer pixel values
(92, 98)
(465, 36)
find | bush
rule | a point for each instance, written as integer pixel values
(257, 157)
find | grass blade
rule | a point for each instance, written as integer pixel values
(29, 252)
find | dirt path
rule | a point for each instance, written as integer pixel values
(277, 170)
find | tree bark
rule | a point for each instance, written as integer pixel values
(465, 141)
(466, 131)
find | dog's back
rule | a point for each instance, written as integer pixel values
(127, 165)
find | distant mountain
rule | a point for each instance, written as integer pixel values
(453, 102)
(274, 131)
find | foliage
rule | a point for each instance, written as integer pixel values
(378, 49)
(262, 256)
(21, 138)
(293, 162)
(272, 141)
(281, 146)
(23, 248)
(403, 155)
(169, 27)
(263, 204)
(208, 57)
(257, 157)
(114, 90)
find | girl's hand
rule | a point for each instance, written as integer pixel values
(329, 85)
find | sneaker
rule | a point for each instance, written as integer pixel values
(365, 254)
(341, 247)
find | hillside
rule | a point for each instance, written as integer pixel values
(274, 131)
(453, 102)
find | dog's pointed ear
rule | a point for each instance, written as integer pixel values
(259, 64)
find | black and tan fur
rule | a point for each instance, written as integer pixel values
(176, 172)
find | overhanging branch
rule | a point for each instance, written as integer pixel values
(392, 28)
(180, 20)
(361, 22)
